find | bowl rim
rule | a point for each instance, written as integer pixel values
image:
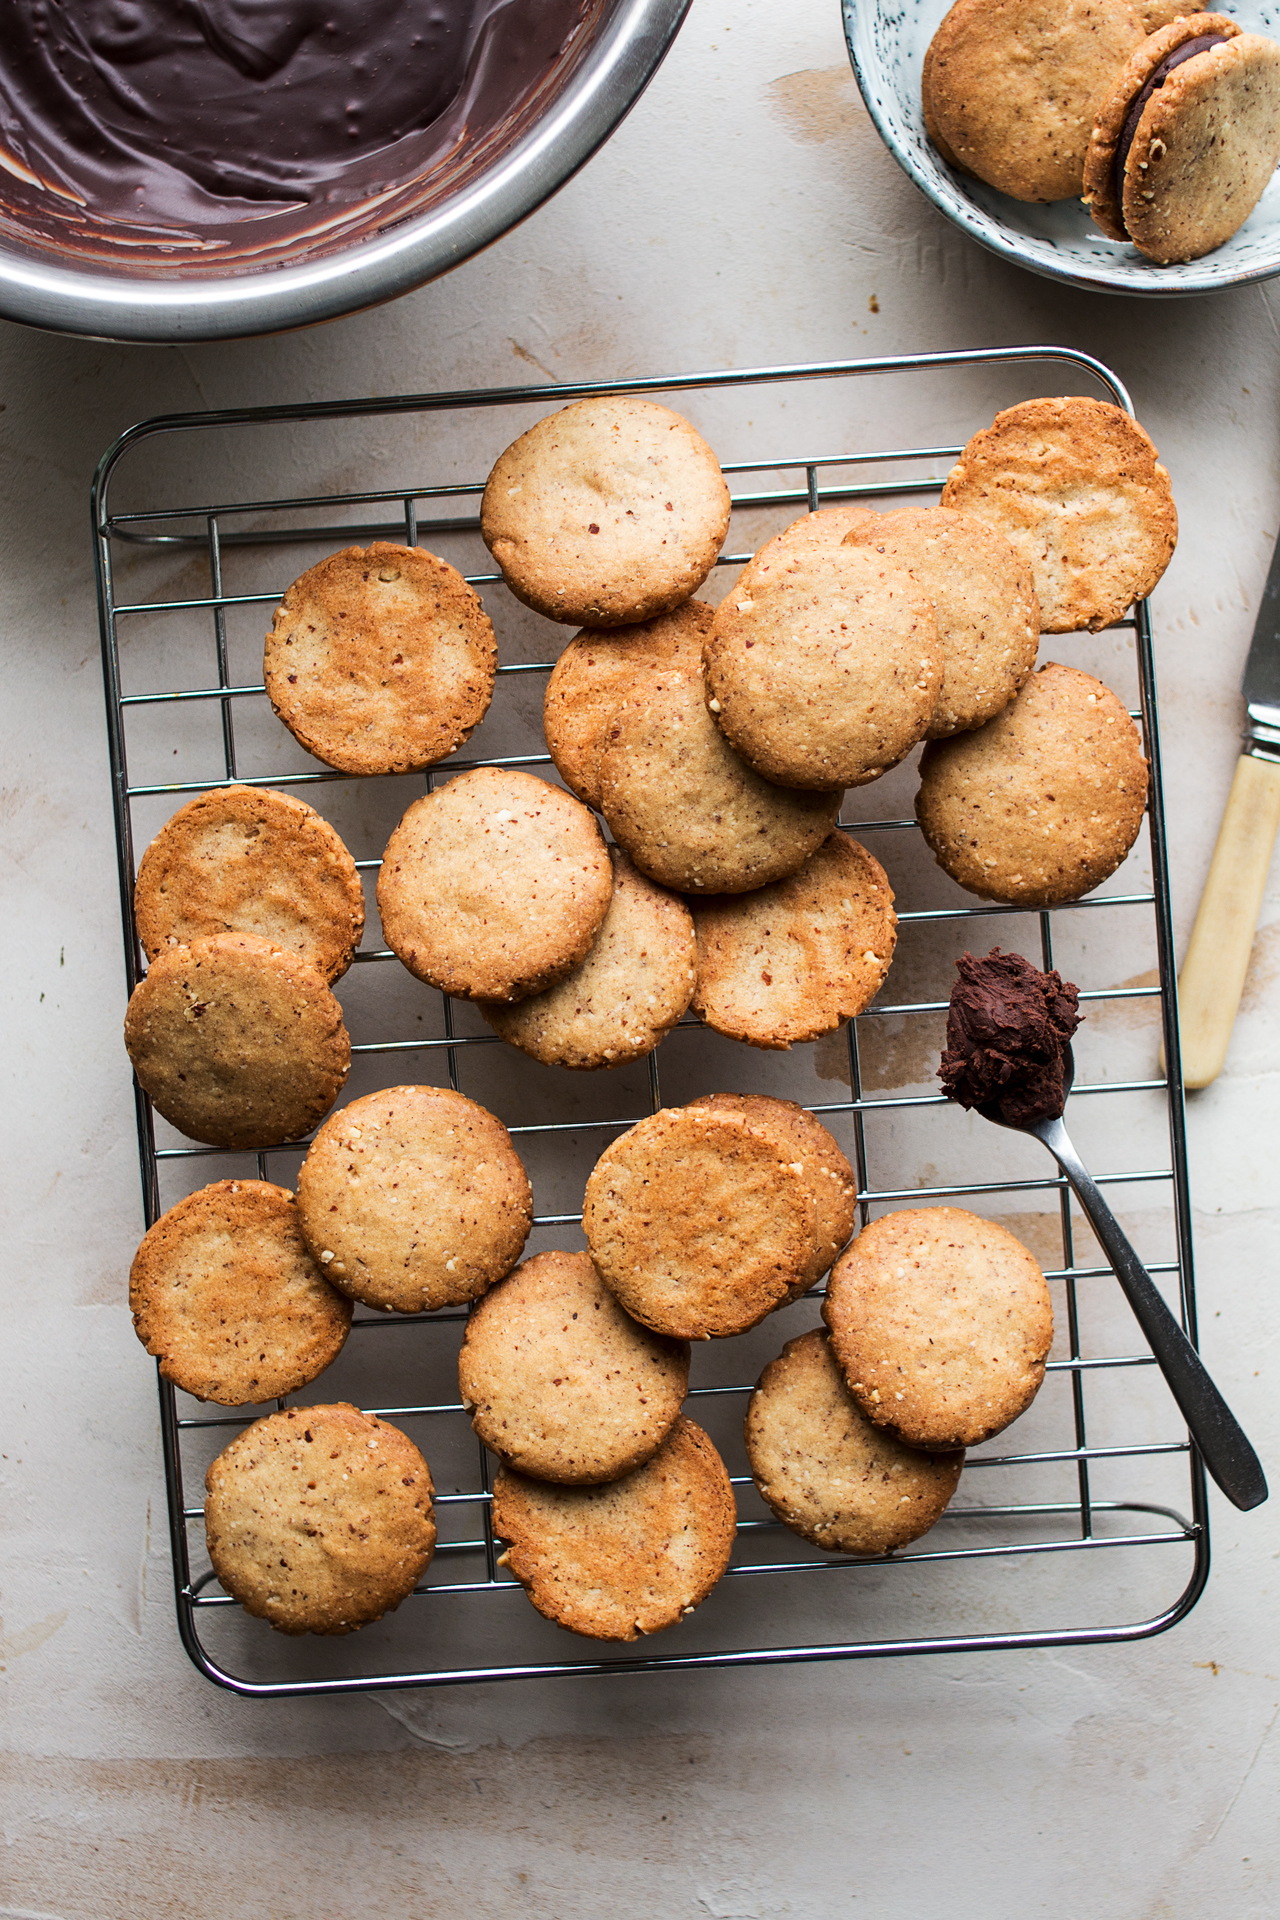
(1127, 279)
(628, 50)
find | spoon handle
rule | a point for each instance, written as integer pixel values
(1214, 1428)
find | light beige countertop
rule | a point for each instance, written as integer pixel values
(744, 215)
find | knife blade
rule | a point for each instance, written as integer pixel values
(1217, 958)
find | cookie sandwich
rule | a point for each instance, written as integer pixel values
(1187, 140)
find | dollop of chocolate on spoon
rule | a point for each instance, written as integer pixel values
(1009, 1027)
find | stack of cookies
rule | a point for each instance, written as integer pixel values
(1164, 120)
(609, 515)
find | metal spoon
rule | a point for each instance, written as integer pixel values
(1223, 1446)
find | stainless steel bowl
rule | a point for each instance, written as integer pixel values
(624, 45)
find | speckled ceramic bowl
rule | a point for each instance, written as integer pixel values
(887, 41)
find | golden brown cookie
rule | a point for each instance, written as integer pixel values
(1012, 87)
(606, 513)
(828, 1472)
(931, 126)
(984, 603)
(494, 886)
(802, 1139)
(627, 994)
(1183, 149)
(689, 811)
(380, 659)
(942, 1324)
(628, 1558)
(828, 527)
(238, 1043)
(599, 674)
(226, 1296)
(560, 1382)
(1076, 487)
(795, 959)
(1043, 803)
(248, 860)
(824, 670)
(414, 1198)
(697, 1224)
(319, 1519)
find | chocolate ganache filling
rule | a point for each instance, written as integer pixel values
(201, 114)
(1187, 51)
(1008, 1030)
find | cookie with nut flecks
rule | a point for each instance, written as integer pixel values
(414, 1198)
(1075, 485)
(238, 1043)
(698, 1223)
(560, 1382)
(606, 513)
(629, 1558)
(602, 673)
(248, 860)
(319, 1519)
(380, 659)
(227, 1297)
(824, 668)
(495, 885)
(942, 1325)
(1042, 804)
(1010, 88)
(829, 1473)
(795, 960)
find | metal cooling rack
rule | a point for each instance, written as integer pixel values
(1084, 1523)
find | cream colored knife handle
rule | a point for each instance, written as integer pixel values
(1217, 958)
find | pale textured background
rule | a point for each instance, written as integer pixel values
(744, 214)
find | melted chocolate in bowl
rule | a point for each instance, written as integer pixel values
(223, 136)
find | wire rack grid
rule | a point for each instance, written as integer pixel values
(1099, 1475)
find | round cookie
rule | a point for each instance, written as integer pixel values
(380, 659)
(226, 1296)
(494, 886)
(238, 1043)
(1187, 142)
(1043, 803)
(319, 1519)
(1012, 87)
(984, 604)
(825, 669)
(1076, 488)
(628, 1558)
(606, 513)
(697, 1224)
(796, 959)
(248, 860)
(942, 1324)
(689, 811)
(828, 527)
(414, 1198)
(827, 1471)
(560, 1382)
(628, 993)
(599, 674)
(802, 1139)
